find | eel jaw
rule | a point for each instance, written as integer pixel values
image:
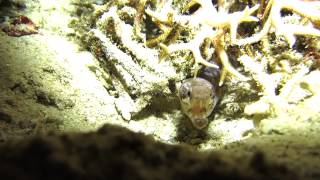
(199, 114)
(200, 123)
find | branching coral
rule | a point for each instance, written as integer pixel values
(308, 10)
(270, 101)
(213, 23)
(283, 105)
(136, 73)
(210, 24)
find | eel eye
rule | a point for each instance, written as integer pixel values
(185, 93)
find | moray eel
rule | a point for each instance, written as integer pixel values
(198, 97)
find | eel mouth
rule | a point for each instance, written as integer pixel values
(200, 123)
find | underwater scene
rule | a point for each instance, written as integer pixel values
(160, 89)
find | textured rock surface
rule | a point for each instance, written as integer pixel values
(117, 153)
